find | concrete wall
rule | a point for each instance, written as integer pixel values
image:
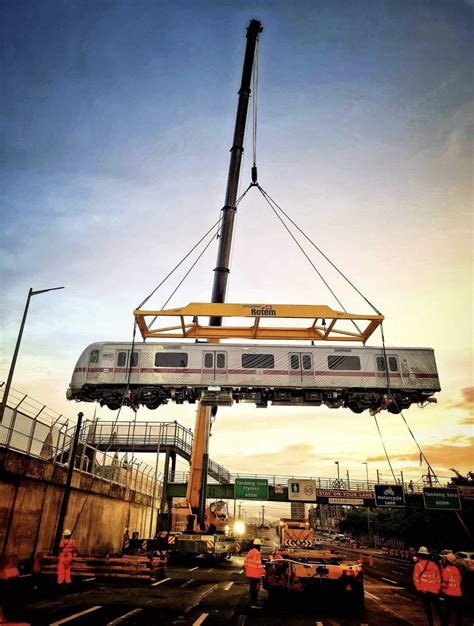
(30, 496)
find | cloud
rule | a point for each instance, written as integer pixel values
(280, 461)
(440, 455)
(466, 402)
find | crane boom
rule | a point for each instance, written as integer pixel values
(197, 482)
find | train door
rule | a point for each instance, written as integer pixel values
(214, 367)
(397, 374)
(301, 368)
(125, 359)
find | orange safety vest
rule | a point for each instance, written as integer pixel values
(67, 547)
(451, 581)
(253, 564)
(427, 577)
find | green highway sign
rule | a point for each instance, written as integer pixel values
(441, 499)
(251, 489)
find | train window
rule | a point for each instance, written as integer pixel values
(336, 362)
(171, 359)
(121, 359)
(307, 365)
(258, 361)
(134, 359)
(295, 362)
(209, 359)
(94, 358)
(220, 360)
(392, 364)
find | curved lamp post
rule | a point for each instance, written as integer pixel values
(17, 347)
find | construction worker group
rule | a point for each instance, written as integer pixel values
(439, 587)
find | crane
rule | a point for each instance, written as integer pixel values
(194, 509)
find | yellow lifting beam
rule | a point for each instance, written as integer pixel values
(325, 324)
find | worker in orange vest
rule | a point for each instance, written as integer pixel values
(276, 555)
(427, 581)
(254, 571)
(451, 590)
(67, 549)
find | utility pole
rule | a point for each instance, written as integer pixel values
(67, 486)
(263, 515)
(240, 511)
(229, 210)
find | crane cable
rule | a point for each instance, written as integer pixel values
(392, 397)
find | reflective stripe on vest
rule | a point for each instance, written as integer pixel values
(451, 581)
(427, 577)
(253, 564)
(67, 547)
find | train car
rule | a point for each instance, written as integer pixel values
(152, 374)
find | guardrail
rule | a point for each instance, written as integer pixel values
(321, 482)
(31, 428)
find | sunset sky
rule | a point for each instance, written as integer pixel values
(117, 121)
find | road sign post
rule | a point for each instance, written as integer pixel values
(251, 489)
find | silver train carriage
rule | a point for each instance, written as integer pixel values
(355, 378)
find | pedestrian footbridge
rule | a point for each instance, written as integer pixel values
(169, 438)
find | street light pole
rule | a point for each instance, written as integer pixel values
(17, 347)
(338, 483)
(366, 472)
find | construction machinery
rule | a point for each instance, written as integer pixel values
(295, 533)
(309, 571)
(195, 528)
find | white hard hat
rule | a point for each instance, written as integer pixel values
(423, 550)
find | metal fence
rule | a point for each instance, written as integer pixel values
(321, 482)
(32, 428)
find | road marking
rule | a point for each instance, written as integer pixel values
(122, 618)
(200, 619)
(394, 582)
(193, 568)
(68, 619)
(25, 575)
(200, 599)
(228, 586)
(160, 582)
(188, 582)
(319, 624)
(394, 571)
(241, 571)
(372, 595)
(86, 580)
(210, 570)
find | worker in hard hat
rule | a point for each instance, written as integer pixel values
(254, 571)
(451, 590)
(427, 581)
(67, 549)
(276, 554)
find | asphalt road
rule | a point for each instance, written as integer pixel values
(201, 593)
